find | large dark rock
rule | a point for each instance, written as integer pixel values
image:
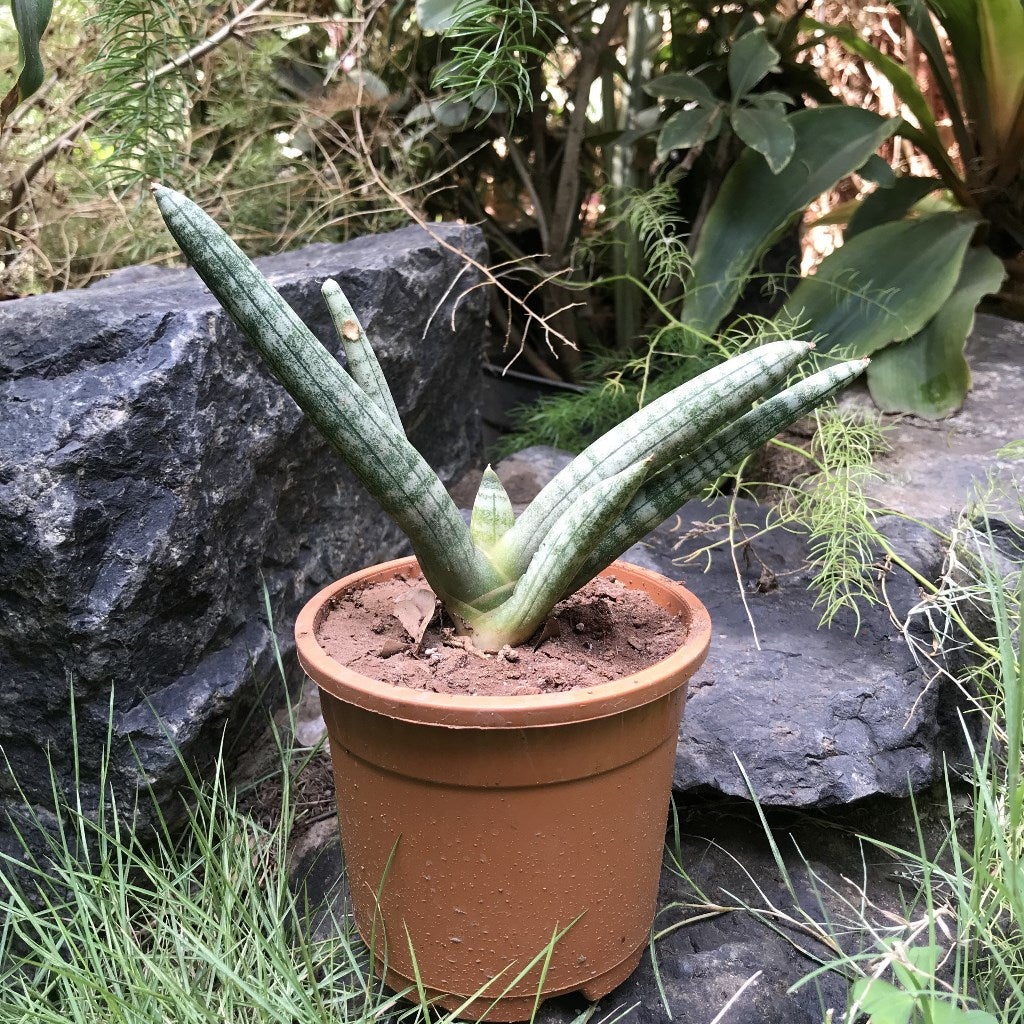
(815, 716)
(153, 479)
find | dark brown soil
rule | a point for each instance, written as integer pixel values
(601, 633)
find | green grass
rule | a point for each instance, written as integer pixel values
(955, 955)
(966, 964)
(113, 926)
(202, 928)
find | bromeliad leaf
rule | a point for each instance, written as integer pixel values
(927, 375)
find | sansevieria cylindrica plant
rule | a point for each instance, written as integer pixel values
(500, 576)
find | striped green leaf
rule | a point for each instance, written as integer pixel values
(660, 432)
(492, 515)
(661, 495)
(361, 433)
(362, 360)
(559, 558)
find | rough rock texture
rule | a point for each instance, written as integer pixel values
(153, 478)
(816, 716)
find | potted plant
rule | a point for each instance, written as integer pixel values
(504, 848)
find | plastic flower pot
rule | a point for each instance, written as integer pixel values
(476, 829)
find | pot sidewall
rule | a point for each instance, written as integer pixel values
(476, 837)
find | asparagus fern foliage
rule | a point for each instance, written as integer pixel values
(500, 576)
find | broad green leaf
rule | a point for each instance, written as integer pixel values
(30, 20)
(751, 57)
(755, 206)
(439, 15)
(943, 1012)
(767, 132)
(928, 375)
(681, 87)
(689, 128)
(889, 204)
(878, 170)
(884, 1003)
(883, 285)
(919, 970)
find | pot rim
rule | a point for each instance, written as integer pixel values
(512, 712)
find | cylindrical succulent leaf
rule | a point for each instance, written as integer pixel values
(362, 360)
(661, 495)
(659, 432)
(557, 560)
(492, 515)
(365, 437)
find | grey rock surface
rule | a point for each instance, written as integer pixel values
(815, 716)
(153, 478)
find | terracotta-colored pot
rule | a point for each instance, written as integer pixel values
(475, 828)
